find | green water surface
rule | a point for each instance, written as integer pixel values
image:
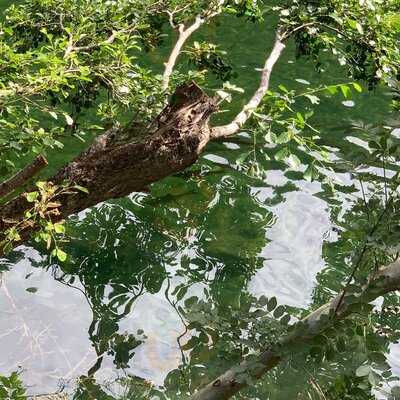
(215, 232)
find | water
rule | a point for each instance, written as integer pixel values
(219, 234)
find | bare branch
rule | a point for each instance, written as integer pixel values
(76, 49)
(184, 35)
(234, 127)
(229, 383)
(22, 176)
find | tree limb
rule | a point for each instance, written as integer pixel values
(228, 384)
(109, 170)
(184, 35)
(234, 127)
(23, 176)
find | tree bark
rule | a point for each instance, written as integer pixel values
(23, 176)
(170, 144)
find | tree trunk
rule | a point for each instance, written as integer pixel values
(170, 144)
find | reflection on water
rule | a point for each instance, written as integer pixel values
(218, 234)
(52, 319)
(43, 327)
(133, 265)
(293, 257)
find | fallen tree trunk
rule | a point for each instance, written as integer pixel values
(109, 170)
(231, 382)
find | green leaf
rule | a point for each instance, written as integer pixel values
(263, 301)
(81, 188)
(285, 319)
(357, 87)
(243, 157)
(346, 91)
(272, 303)
(283, 88)
(282, 154)
(311, 173)
(68, 119)
(293, 161)
(303, 81)
(32, 196)
(312, 98)
(284, 137)
(61, 255)
(279, 311)
(59, 228)
(332, 89)
(41, 185)
(270, 137)
(363, 370)
(373, 378)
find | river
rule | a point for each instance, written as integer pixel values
(221, 235)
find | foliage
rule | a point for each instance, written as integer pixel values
(11, 387)
(362, 34)
(45, 205)
(72, 69)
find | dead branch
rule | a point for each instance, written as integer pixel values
(23, 176)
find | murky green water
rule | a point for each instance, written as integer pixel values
(218, 233)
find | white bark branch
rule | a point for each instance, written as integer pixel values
(234, 127)
(228, 384)
(184, 35)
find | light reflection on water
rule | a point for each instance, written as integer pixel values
(48, 329)
(45, 328)
(293, 257)
(46, 332)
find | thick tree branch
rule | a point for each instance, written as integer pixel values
(23, 176)
(234, 127)
(109, 169)
(228, 384)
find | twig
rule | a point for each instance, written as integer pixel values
(184, 35)
(363, 251)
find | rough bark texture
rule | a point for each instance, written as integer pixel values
(170, 144)
(55, 396)
(22, 176)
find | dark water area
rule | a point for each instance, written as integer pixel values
(217, 232)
